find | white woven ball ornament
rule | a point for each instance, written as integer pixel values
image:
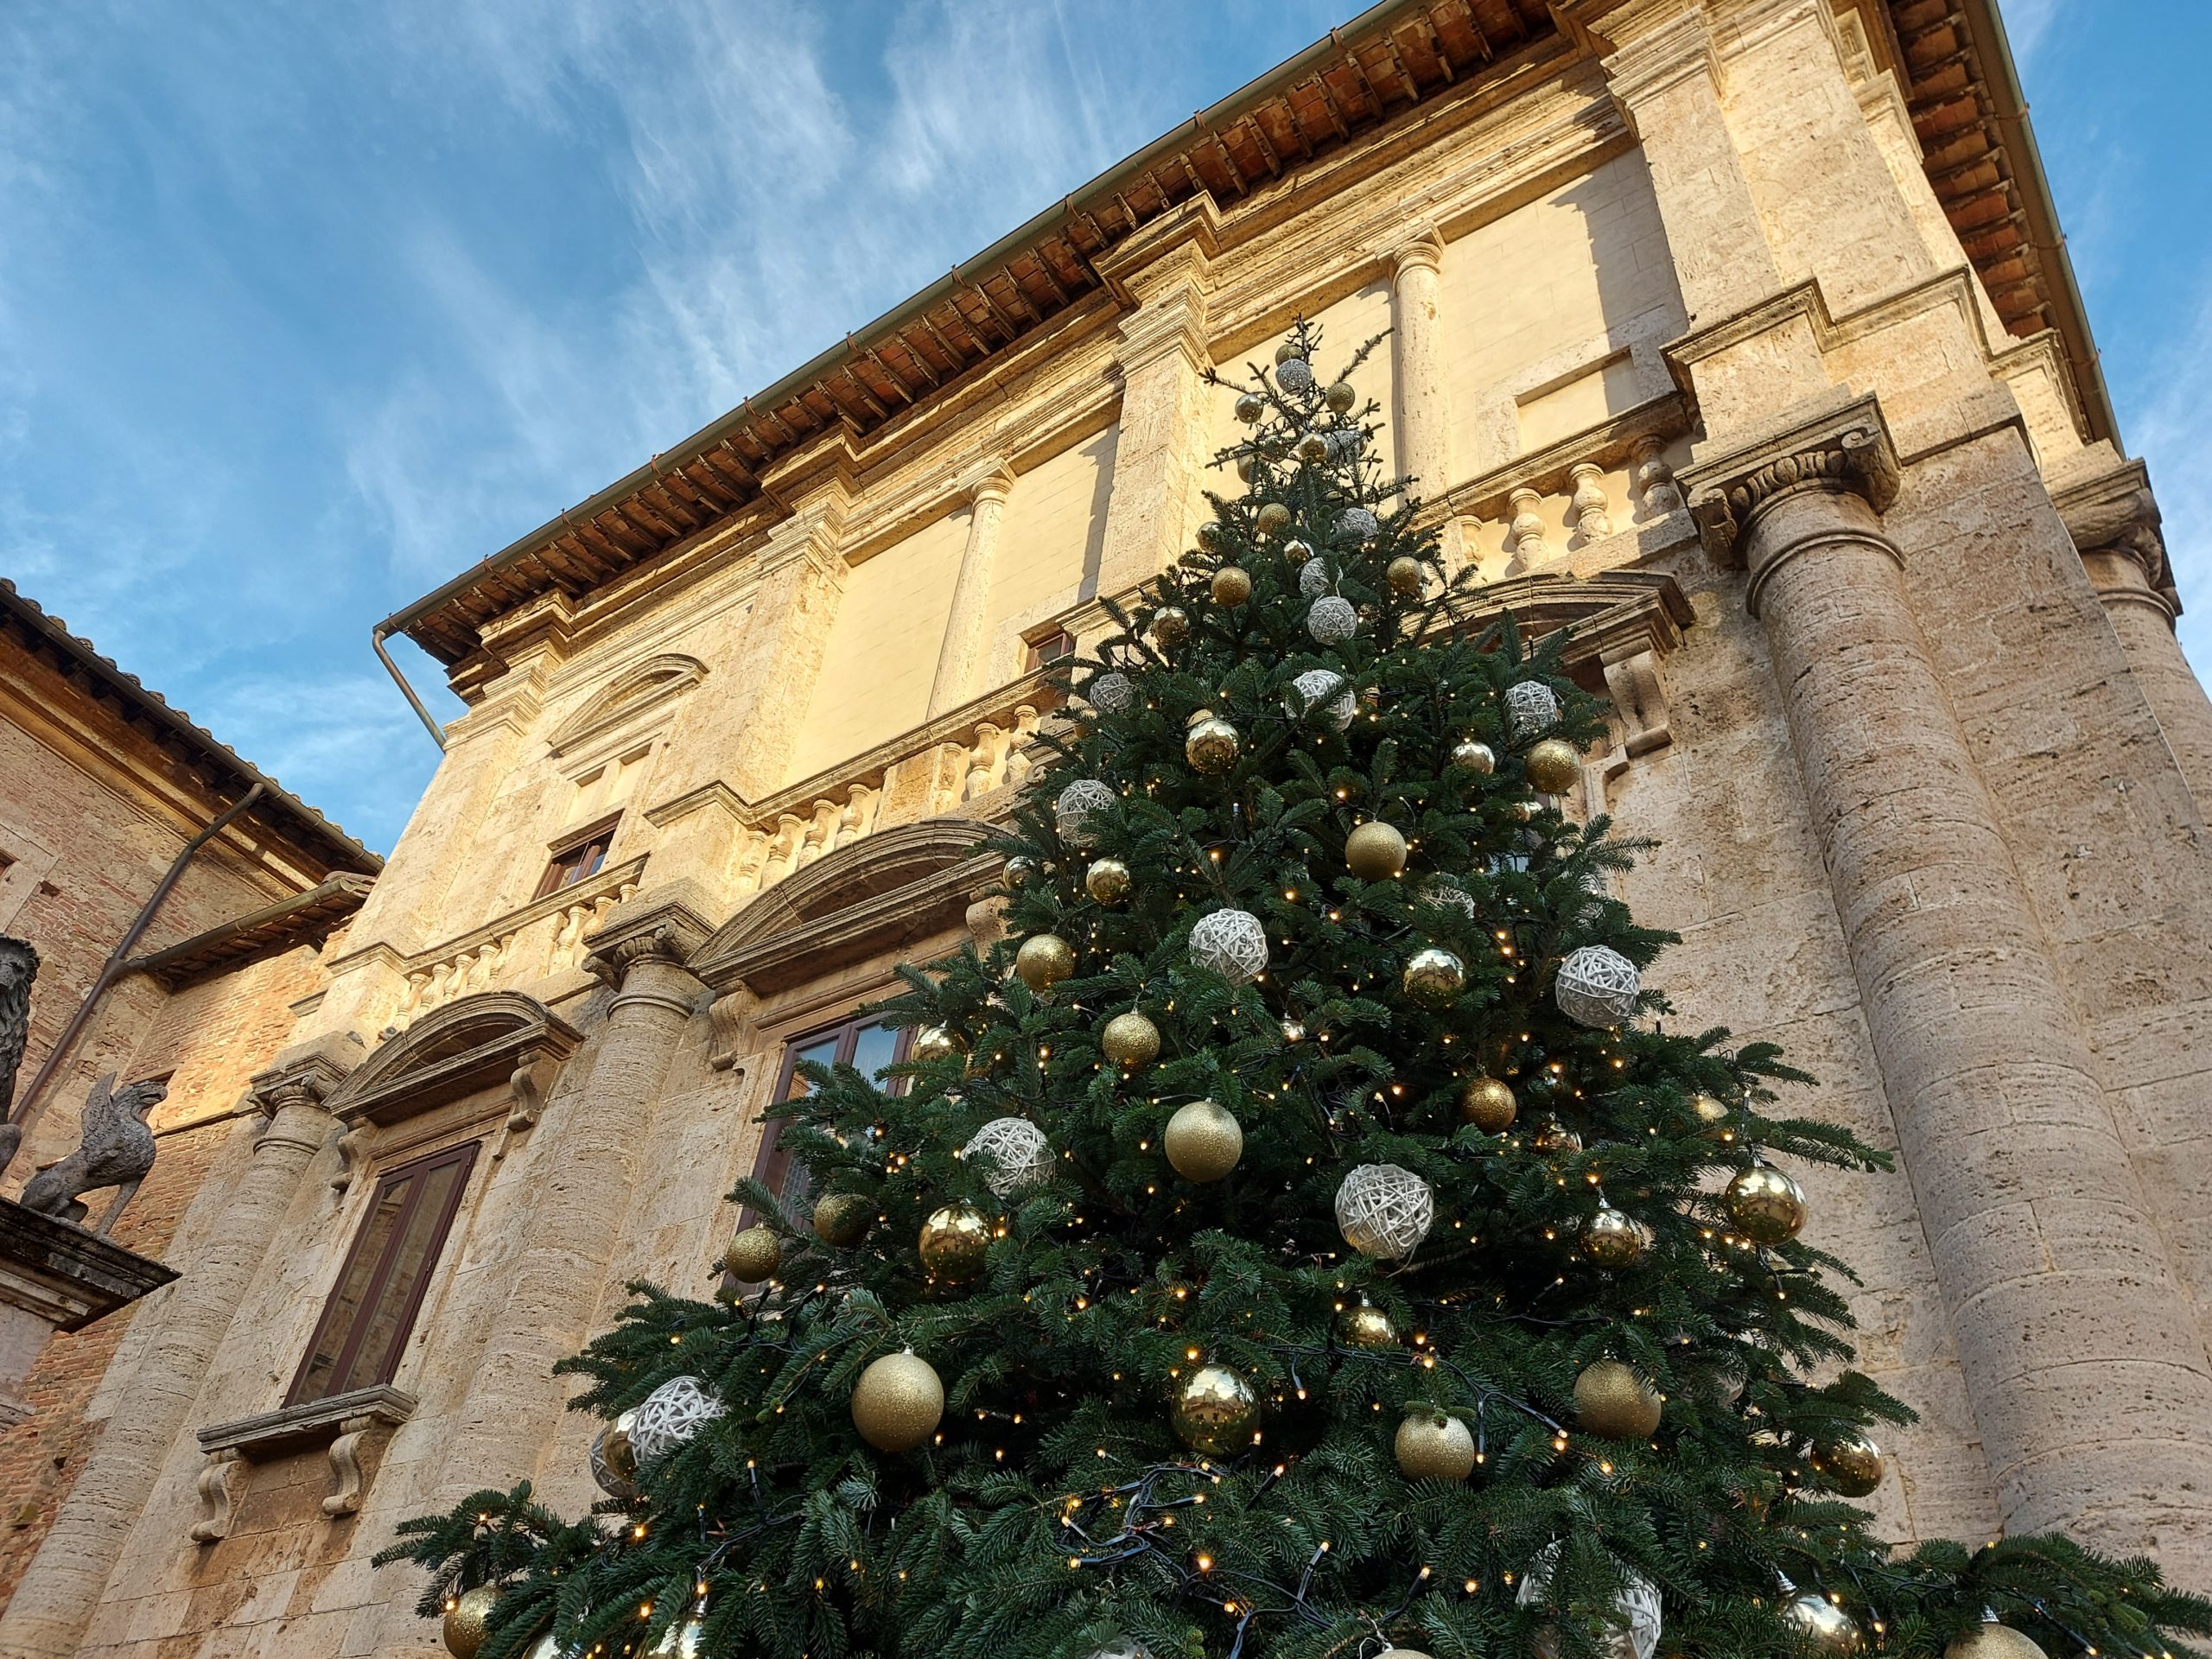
(1321, 694)
(1384, 1212)
(672, 1414)
(1343, 441)
(1598, 985)
(1313, 578)
(1446, 894)
(1295, 374)
(1111, 692)
(1078, 808)
(1332, 621)
(1015, 1151)
(1635, 1633)
(1233, 944)
(1359, 523)
(1530, 706)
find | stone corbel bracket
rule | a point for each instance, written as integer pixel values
(1844, 446)
(2112, 512)
(343, 1424)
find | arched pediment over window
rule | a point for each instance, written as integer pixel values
(492, 1039)
(628, 697)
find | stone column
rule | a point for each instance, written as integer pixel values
(1424, 403)
(959, 657)
(2088, 1382)
(68, 1575)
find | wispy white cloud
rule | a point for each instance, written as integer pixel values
(2169, 433)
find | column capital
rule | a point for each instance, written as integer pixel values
(2112, 510)
(1843, 447)
(1421, 250)
(993, 481)
(305, 1075)
(662, 925)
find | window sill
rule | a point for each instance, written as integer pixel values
(341, 1421)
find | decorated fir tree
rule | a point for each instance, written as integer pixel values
(1301, 1237)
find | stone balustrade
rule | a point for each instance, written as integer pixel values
(541, 939)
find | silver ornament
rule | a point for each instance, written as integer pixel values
(1319, 694)
(1332, 621)
(1635, 1627)
(1359, 523)
(1530, 706)
(671, 1415)
(1313, 578)
(1077, 811)
(1295, 374)
(1111, 692)
(1231, 943)
(1384, 1212)
(1013, 1152)
(1598, 985)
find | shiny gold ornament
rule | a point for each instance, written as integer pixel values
(1170, 626)
(843, 1218)
(1340, 396)
(1249, 409)
(934, 1043)
(1203, 1141)
(1287, 350)
(1215, 1411)
(1553, 767)
(1488, 1104)
(1210, 746)
(1554, 1139)
(1403, 573)
(1766, 1206)
(1433, 1447)
(954, 1241)
(1232, 585)
(1376, 851)
(1043, 961)
(1296, 552)
(617, 1453)
(1612, 1400)
(1312, 448)
(1433, 977)
(1827, 1630)
(1470, 755)
(1294, 1030)
(1362, 1325)
(1108, 881)
(1020, 870)
(1614, 1239)
(1712, 1115)
(1213, 535)
(1850, 1468)
(897, 1402)
(467, 1621)
(1990, 1640)
(1246, 465)
(753, 1255)
(1272, 520)
(1129, 1040)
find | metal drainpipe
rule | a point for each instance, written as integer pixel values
(375, 640)
(28, 1108)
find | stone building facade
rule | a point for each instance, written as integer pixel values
(1734, 333)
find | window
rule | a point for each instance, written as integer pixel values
(1049, 648)
(864, 1043)
(579, 858)
(357, 1343)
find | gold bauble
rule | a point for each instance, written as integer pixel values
(933, 1042)
(1287, 350)
(1403, 573)
(1019, 871)
(753, 1255)
(1362, 1325)
(1340, 396)
(1213, 535)
(1828, 1631)
(1215, 1410)
(467, 1621)
(1554, 1139)
(897, 1402)
(616, 1450)
(843, 1218)
(1376, 851)
(1108, 881)
(1612, 1400)
(1272, 520)
(1766, 1206)
(1249, 408)
(1433, 1447)
(1488, 1104)
(1471, 755)
(954, 1240)
(1044, 960)
(1553, 767)
(1312, 448)
(1232, 585)
(1433, 977)
(1170, 626)
(1210, 746)
(1851, 1467)
(1990, 1640)
(1203, 1141)
(1711, 1114)
(1129, 1040)
(1613, 1240)
(1296, 552)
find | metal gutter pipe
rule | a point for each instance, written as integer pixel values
(376, 637)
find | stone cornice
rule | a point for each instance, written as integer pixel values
(269, 1433)
(480, 1040)
(1839, 445)
(1173, 249)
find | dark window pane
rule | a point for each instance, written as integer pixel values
(820, 1052)
(389, 1321)
(362, 1267)
(875, 1047)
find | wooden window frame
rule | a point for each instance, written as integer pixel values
(771, 1160)
(349, 1350)
(1033, 648)
(601, 831)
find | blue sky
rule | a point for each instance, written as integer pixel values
(305, 306)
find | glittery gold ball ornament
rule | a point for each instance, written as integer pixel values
(1215, 1411)
(1295, 552)
(1249, 409)
(1108, 881)
(1287, 350)
(1614, 1239)
(1210, 746)
(1613, 1401)
(1403, 573)
(753, 1255)
(1471, 755)
(1044, 960)
(1129, 1040)
(1232, 585)
(1434, 1447)
(954, 1241)
(467, 1621)
(1340, 396)
(1433, 977)
(1203, 1141)
(1766, 1206)
(1376, 851)
(897, 1402)
(1851, 1467)
(1827, 1631)
(1554, 1139)
(1170, 626)
(1488, 1103)
(933, 1042)
(1362, 1325)
(1712, 1114)
(843, 1218)
(1272, 520)
(1312, 448)
(1990, 1640)
(1552, 766)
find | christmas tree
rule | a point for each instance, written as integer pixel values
(1300, 1236)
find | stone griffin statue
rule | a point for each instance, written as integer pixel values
(18, 968)
(116, 1149)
